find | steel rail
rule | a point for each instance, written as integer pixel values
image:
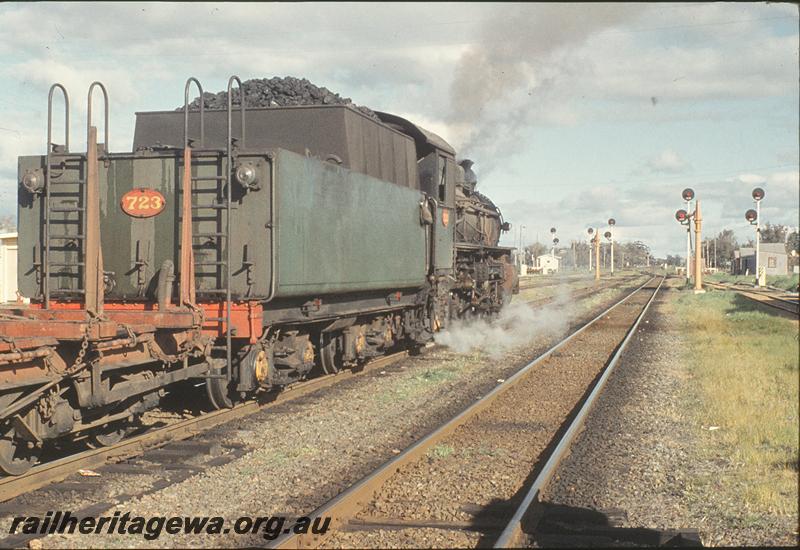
(511, 534)
(766, 298)
(349, 502)
(57, 470)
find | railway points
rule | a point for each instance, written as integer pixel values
(774, 298)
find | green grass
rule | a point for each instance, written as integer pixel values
(743, 363)
(419, 383)
(441, 451)
(786, 282)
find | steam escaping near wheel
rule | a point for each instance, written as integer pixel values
(516, 325)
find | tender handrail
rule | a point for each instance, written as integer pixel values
(50, 117)
(229, 200)
(230, 108)
(186, 112)
(105, 111)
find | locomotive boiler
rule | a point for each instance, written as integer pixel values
(244, 248)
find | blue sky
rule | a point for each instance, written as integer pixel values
(572, 113)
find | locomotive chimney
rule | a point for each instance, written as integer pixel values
(470, 179)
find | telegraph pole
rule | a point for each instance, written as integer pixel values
(715, 253)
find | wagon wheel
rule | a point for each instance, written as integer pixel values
(220, 392)
(108, 435)
(329, 356)
(16, 456)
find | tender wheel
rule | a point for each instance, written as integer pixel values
(219, 390)
(16, 456)
(107, 435)
(330, 357)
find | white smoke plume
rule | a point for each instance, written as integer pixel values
(518, 324)
(508, 79)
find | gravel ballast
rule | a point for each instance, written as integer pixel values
(478, 470)
(638, 452)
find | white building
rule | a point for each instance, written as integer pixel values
(8, 267)
(548, 263)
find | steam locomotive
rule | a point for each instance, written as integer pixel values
(243, 248)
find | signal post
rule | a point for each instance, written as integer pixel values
(596, 255)
(698, 260)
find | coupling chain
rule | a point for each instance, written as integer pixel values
(93, 321)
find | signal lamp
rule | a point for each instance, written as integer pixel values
(682, 216)
(612, 221)
(555, 241)
(758, 194)
(552, 230)
(751, 215)
(607, 235)
(590, 231)
(688, 194)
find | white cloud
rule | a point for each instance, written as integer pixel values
(750, 179)
(668, 162)
(548, 66)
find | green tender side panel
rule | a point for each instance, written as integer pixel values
(339, 231)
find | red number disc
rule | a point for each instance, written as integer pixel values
(142, 203)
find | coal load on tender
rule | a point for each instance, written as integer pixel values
(277, 92)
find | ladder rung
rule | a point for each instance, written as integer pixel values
(212, 206)
(211, 263)
(67, 291)
(209, 178)
(67, 182)
(207, 150)
(68, 237)
(199, 191)
(54, 264)
(205, 235)
(211, 291)
(67, 157)
(66, 209)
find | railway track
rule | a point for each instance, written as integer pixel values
(533, 516)
(584, 291)
(540, 281)
(54, 471)
(781, 300)
(445, 490)
(59, 469)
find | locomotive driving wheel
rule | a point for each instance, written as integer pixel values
(16, 456)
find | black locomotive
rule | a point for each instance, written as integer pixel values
(246, 248)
